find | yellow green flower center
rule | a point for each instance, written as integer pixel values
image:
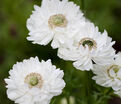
(57, 20)
(115, 68)
(89, 42)
(34, 80)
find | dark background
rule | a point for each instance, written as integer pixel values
(14, 47)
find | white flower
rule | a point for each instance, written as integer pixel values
(109, 75)
(87, 47)
(55, 20)
(34, 82)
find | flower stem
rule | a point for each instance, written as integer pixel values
(87, 86)
(68, 100)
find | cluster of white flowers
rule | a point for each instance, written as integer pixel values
(77, 40)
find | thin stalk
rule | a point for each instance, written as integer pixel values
(86, 88)
(87, 85)
(68, 100)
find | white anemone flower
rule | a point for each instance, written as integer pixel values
(88, 47)
(109, 75)
(34, 82)
(54, 21)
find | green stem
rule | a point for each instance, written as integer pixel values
(68, 100)
(88, 86)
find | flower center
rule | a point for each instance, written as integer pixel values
(34, 80)
(89, 42)
(114, 68)
(57, 20)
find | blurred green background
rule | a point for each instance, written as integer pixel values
(14, 47)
